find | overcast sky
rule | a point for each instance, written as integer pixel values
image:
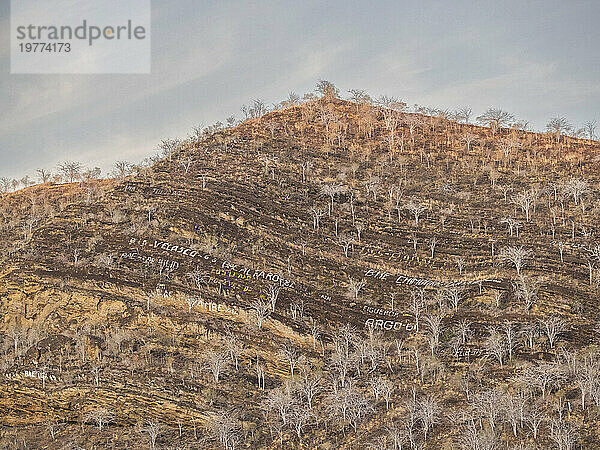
(536, 59)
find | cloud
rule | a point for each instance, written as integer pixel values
(30, 98)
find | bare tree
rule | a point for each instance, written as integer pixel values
(224, 427)
(385, 388)
(299, 416)
(434, 328)
(414, 239)
(234, 347)
(51, 426)
(345, 241)
(577, 188)
(122, 169)
(71, 170)
(417, 305)
(486, 405)
(526, 291)
(534, 416)
(391, 109)
(529, 331)
(100, 416)
(168, 146)
(272, 126)
(525, 200)
(587, 376)
(373, 186)
(281, 400)
(262, 310)
(514, 407)
(185, 163)
(215, 362)
(553, 327)
(510, 337)
(432, 243)
(460, 263)
(563, 434)
(30, 222)
(153, 430)
(331, 190)
(464, 114)
(260, 374)
(468, 138)
(561, 249)
(591, 265)
(355, 286)
(272, 293)
(44, 176)
(590, 129)
(416, 209)
(518, 256)
(199, 277)
(340, 364)
(306, 167)
(292, 99)
(495, 119)
(473, 438)
(512, 224)
(5, 185)
(495, 344)
(544, 376)
(310, 385)
(360, 98)
(327, 90)
(455, 295)
(315, 331)
(349, 405)
(463, 330)
(291, 355)
(255, 110)
(317, 213)
(429, 412)
(558, 126)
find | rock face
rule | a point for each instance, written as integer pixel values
(289, 282)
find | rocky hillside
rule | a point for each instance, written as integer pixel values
(329, 275)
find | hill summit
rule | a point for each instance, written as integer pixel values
(331, 274)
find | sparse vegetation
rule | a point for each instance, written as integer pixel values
(327, 274)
